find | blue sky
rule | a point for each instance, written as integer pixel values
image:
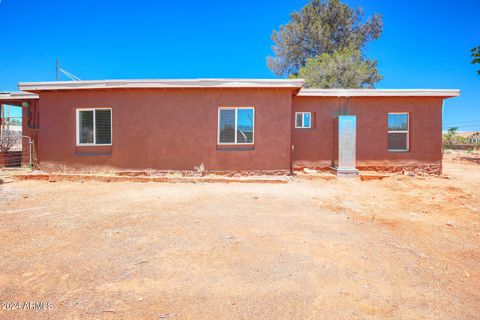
(425, 44)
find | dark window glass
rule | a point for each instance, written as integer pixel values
(227, 125)
(85, 124)
(397, 122)
(245, 126)
(103, 126)
(298, 120)
(397, 141)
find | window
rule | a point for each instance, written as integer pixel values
(303, 119)
(398, 125)
(235, 125)
(94, 127)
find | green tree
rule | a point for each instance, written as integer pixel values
(476, 57)
(344, 68)
(322, 27)
(450, 137)
(14, 122)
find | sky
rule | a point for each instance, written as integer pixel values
(424, 44)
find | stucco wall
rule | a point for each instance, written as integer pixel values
(166, 129)
(313, 147)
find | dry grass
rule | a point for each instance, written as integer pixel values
(398, 248)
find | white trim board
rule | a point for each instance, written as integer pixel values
(303, 120)
(236, 126)
(161, 83)
(400, 131)
(17, 95)
(77, 128)
(446, 93)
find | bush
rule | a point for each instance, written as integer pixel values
(8, 139)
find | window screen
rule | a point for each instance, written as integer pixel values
(103, 126)
(94, 126)
(398, 130)
(298, 119)
(236, 125)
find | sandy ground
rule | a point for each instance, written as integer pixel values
(399, 248)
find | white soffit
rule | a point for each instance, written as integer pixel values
(17, 95)
(161, 83)
(379, 93)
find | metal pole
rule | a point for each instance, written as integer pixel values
(58, 70)
(30, 145)
(293, 160)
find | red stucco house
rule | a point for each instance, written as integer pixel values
(231, 124)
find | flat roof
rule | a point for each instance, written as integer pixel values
(445, 93)
(466, 134)
(17, 95)
(161, 83)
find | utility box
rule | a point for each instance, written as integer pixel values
(344, 144)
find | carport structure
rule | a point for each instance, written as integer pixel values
(29, 104)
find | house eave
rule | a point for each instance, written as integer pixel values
(160, 83)
(444, 93)
(17, 95)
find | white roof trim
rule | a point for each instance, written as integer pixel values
(17, 95)
(161, 83)
(379, 92)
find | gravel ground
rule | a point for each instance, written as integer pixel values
(398, 248)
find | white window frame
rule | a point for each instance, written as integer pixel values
(94, 144)
(400, 131)
(236, 120)
(303, 120)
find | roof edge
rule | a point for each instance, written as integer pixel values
(445, 93)
(17, 95)
(160, 83)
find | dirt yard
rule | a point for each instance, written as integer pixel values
(399, 248)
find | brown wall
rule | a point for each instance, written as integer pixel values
(166, 129)
(313, 147)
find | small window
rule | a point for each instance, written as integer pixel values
(303, 119)
(235, 125)
(94, 126)
(398, 126)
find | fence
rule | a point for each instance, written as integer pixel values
(470, 147)
(15, 149)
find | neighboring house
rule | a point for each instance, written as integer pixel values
(474, 138)
(229, 124)
(469, 137)
(462, 137)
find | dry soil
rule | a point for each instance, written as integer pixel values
(398, 248)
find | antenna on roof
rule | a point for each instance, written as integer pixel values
(65, 72)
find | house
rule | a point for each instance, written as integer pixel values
(474, 138)
(467, 137)
(265, 125)
(470, 137)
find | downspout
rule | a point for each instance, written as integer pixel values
(31, 119)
